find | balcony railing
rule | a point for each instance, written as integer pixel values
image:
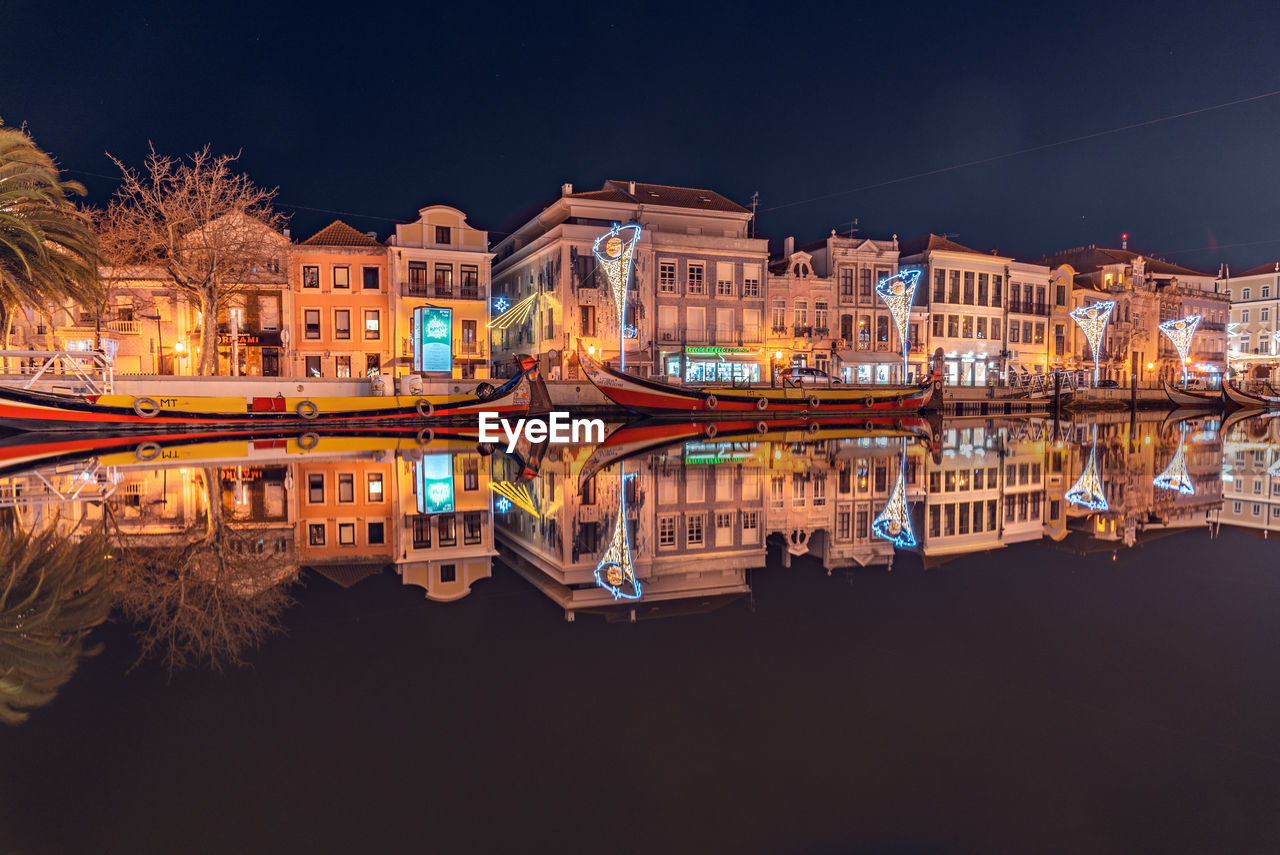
(121, 327)
(468, 348)
(803, 330)
(431, 290)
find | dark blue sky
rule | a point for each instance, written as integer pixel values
(381, 109)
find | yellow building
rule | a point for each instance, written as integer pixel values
(439, 261)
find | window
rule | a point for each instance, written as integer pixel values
(802, 313)
(346, 534)
(342, 365)
(982, 328)
(1265, 315)
(444, 280)
(470, 276)
(315, 488)
(470, 474)
(448, 573)
(315, 534)
(967, 327)
(724, 286)
(968, 287)
(953, 326)
(346, 487)
(939, 286)
(819, 491)
(1266, 291)
(751, 287)
(472, 530)
(313, 367)
(667, 277)
(587, 319)
(1244, 313)
(693, 530)
(418, 277)
(342, 277)
(444, 234)
(779, 315)
(938, 321)
(697, 279)
(268, 312)
(372, 324)
(1244, 295)
(666, 532)
(342, 323)
(372, 365)
(820, 315)
(311, 323)
(310, 276)
(447, 529)
(983, 279)
(750, 520)
(882, 328)
(1060, 295)
(469, 337)
(373, 493)
(1039, 334)
(377, 533)
(864, 284)
(846, 281)
(371, 279)
(421, 531)
(995, 329)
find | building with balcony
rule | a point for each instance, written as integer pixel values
(340, 316)
(1146, 292)
(824, 312)
(1254, 342)
(440, 261)
(695, 308)
(1028, 321)
(965, 291)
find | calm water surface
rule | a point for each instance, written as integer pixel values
(980, 636)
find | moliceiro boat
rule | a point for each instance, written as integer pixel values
(654, 397)
(1191, 397)
(1237, 397)
(28, 410)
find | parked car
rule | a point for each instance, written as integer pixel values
(1108, 384)
(808, 377)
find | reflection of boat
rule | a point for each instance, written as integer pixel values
(1191, 398)
(1175, 418)
(51, 411)
(647, 435)
(1249, 400)
(18, 453)
(653, 397)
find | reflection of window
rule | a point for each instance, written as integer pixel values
(346, 487)
(587, 317)
(342, 323)
(377, 533)
(470, 473)
(375, 487)
(313, 366)
(315, 488)
(471, 528)
(421, 531)
(311, 323)
(448, 530)
(343, 366)
(315, 534)
(346, 534)
(372, 325)
(694, 533)
(448, 573)
(310, 276)
(342, 277)
(371, 282)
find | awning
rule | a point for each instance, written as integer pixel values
(868, 357)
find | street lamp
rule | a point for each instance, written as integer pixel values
(159, 342)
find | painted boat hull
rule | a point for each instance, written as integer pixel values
(1187, 398)
(26, 410)
(654, 398)
(1237, 397)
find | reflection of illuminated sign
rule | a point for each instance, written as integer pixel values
(432, 339)
(435, 484)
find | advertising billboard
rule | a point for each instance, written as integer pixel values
(435, 484)
(432, 339)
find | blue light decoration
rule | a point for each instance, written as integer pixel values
(500, 305)
(1087, 490)
(1093, 321)
(1175, 476)
(614, 571)
(894, 522)
(502, 505)
(614, 250)
(898, 291)
(629, 331)
(1180, 331)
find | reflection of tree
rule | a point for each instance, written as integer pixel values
(53, 592)
(208, 594)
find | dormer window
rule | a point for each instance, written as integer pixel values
(800, 269)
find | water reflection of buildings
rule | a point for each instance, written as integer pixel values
(1251, 476)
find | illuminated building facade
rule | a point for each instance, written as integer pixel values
(1254, 345)
(696, 308)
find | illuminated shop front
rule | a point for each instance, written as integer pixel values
(713, 364)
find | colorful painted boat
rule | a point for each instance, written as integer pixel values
(1237, 397)
(28, 410)
(653, 397)
(1190, 398)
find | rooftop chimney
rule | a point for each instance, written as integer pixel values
(286, 234)
(373, 235)
(566, 189)
(631, 187)
(789, 246)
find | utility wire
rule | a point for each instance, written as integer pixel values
(1034, 148)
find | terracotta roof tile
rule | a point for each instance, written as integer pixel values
(934, 243)
(662, 194)
(1269, 267)
(346, 575)
(339, 233)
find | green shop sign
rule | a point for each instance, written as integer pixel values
(716, 351)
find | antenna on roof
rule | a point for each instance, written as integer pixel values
(755, 201)
(1124, 241)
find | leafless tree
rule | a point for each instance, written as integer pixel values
(209, 231)
(208, 594)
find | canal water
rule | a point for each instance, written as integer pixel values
(896, 636)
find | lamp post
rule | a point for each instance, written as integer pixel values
(614, 250)
(159, 341)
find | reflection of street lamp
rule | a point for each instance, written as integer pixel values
(159, 341)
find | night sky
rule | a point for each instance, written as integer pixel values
(380, 109)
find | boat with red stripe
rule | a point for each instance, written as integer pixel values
(653, 397)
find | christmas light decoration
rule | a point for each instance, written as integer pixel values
(1175, 475)
(1093, 320)
(1087, 490)
(614, 250)
(1180, 333)
(513, 494)
(500, 305)
(898, 291)
(614, 571)
(515, 314)
(894, 522)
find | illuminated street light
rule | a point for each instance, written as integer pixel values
(898, 291)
